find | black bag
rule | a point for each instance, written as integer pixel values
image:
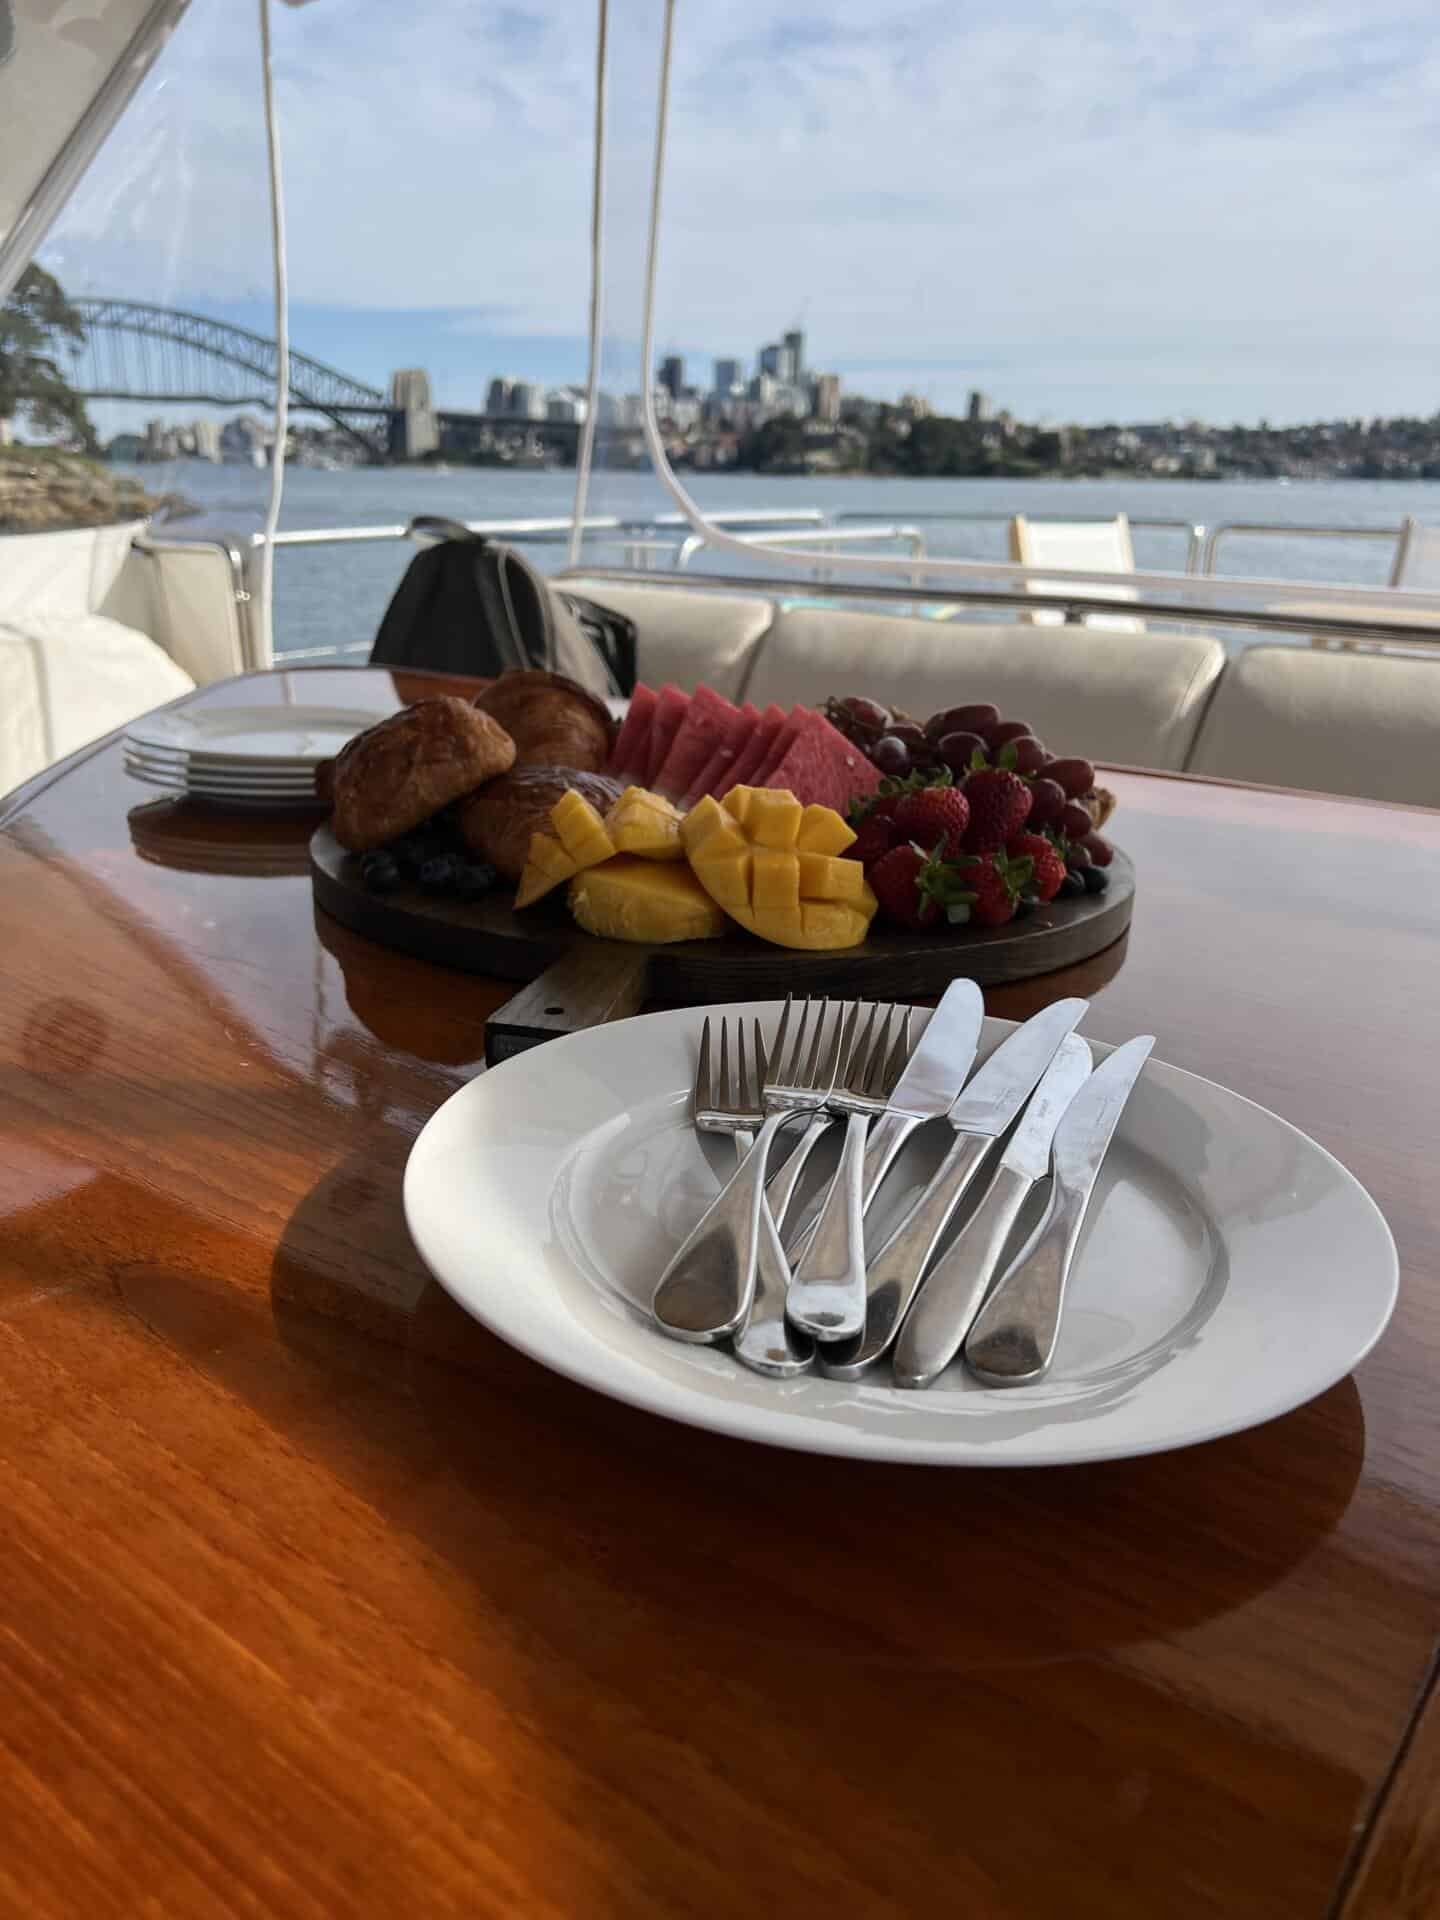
(474, 606)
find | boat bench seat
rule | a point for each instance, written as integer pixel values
(686, 636)
(1364, 724)
(1132, 699)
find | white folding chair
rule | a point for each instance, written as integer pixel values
(1417, 558)
(1096, 546)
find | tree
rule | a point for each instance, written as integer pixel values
(33, 322)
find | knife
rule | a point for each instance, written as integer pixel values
(943, 1056)
(981, 1113)
(1013, 1339)
(935, 1327)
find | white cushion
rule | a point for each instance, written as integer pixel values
(1129, 698)
(66, 681)
(59, 574)
(684, 635)
(1357, 723)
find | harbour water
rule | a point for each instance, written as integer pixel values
(328, 595)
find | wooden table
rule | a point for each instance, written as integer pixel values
(315, 1600)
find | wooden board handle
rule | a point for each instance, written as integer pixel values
(599, 981)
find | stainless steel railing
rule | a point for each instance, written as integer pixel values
(1193, 530)
(1263, 529)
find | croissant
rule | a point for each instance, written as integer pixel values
(553, 721)
(496, 823)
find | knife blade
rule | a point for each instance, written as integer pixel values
(979, 1114)
(934, 1330)
(1012, 1341)
(935, 1073)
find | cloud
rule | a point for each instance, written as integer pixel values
(1164, 201)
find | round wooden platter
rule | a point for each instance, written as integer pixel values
(579, 981)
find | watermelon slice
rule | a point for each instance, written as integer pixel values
(670, 710)
(742, 727)
(708, 721)
(630, 756)
(822, 768)
(794, 725)
(758, 750)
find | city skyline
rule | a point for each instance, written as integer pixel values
(1192, 213)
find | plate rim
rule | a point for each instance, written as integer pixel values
(693, 1411)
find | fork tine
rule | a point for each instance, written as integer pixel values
(835, 1059)
(704, 1081)
(899, 1053)
(762, 1063)
(875, 1085)
(725, 1099)
(804, 1075)
(858, 1058)
(777, 1051)
(745, 1099)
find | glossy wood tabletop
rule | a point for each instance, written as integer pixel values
(316, 1600)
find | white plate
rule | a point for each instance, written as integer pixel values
(1230, 1268)
(302, 781)
(225, 797)
(299, 735)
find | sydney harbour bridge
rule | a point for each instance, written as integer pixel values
(135, 351)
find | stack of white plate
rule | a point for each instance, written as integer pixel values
(241, 756)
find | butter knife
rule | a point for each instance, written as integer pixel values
(1012, 1341)
(955, 1289)
(984, 1110)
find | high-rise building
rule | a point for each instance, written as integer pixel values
(497, 399)
(795, 346)
(672, 375)
(979, 408)
(727, 376)
(527, 401)
(825, 397)
(771, 358)
(207, 439)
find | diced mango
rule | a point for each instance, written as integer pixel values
(546, 865)
(652, 901)
(647, 824)
(747, 854)
(580, 830)
(823, 831)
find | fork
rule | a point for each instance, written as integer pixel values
(705, 1292)
(827, 1288)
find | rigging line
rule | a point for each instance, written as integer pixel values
(282, 343)
(597, 295)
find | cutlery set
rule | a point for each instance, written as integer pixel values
(807, 1296)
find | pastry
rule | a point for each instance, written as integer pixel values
(553, 721)
(394, 775)
(497, 823)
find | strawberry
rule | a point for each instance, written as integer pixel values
(935, 816)
(995, 885)
(883, 803)
(899, 883)
(874, 837)
(999, 807)
(1049, 868)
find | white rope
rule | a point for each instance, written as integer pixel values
(597, 295)
(282, 344)
(1189, 586)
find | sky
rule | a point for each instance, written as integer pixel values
(1172, 208)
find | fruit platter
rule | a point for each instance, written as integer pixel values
(698, 848)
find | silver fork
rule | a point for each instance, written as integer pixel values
(841, 1103)
(781, 1190)
(705, 1292)
(767, 1343)
(827, 1288)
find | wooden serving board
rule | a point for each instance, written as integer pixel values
(577, 981)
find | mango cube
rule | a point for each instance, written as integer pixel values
(651, 901)
(772, 865)
(646, 824)
(580, 830)
(546, 865)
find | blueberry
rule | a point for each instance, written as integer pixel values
(379, 872)
(1072, 887)
(474, 880)
(1026, 905)
(1096, 879)
(439, 875)
(411, 853)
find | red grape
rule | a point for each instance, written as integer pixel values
(1004, 730)
(975, 719)
(1077, 777)
(1100, 850)
(891, 755)
(1047, 803)
(958, 749)
(1078, 857)
(1075, 822)
(868, 714)
(1030, 754)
